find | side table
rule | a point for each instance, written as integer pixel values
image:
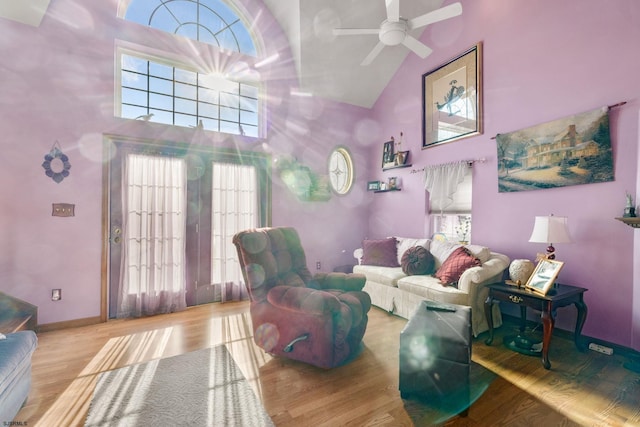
(558, 296)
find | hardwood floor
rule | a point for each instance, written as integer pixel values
(581, 389)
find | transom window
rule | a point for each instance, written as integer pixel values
(176, 96)
(208, 21)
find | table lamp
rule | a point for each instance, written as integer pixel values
(550, 229)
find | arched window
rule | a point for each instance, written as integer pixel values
(207, 21)
(161, 89)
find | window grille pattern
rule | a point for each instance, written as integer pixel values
(171, 95)
(207, 21)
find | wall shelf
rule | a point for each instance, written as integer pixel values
(396, 167)
(630, 221)
(386, 191)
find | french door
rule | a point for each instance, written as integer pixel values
(224, 192)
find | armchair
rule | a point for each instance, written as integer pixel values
(318, 319)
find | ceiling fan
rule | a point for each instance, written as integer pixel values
(395, 30)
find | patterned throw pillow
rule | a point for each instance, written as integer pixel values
(382, 253)
(417, 260)
(457, 263)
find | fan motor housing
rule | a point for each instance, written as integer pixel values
(393, 33)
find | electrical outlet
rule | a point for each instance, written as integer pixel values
(318, 265)
(601, 349)
(56, 294)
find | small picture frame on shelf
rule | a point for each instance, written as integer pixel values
(373, 185)
(401, 158)
(388, 154)
(393, 181)
(544, 276)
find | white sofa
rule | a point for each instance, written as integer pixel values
(400, 294)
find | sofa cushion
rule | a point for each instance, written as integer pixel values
(483, 253)
(405, 243)
(418, 260)
(442, 249)
(430, 288)
(382, 252)
(387, 276)
(456, 264)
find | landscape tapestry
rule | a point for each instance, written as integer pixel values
(569, 151)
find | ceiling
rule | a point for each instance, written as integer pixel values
(28, 12)
(328, 66)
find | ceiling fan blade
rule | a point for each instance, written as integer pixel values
(418, 47)
(441, 14)
(372, 55)
(393, 10)
(354, 31)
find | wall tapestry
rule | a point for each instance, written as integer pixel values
(569, 151)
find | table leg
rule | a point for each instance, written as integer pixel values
(582, 317)
(547, 323)
(488, 312)
(523, 319)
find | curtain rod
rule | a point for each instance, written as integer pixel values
(609, 107)
(469, 162)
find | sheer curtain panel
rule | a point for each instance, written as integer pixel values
(234, 207)
(153, 267)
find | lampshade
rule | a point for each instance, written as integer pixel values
(550, 229)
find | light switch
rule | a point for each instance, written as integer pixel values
(63, 209)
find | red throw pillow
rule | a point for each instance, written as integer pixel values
(417, 260)
(457, 263)
(383, 252)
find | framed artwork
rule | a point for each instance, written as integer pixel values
(388, 155)
(373, 185)
(452, 99)
(544, 275)
(573, 150)
(393, 181)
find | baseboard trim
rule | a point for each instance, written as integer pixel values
(56, 326)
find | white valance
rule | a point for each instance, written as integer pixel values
(443, 181)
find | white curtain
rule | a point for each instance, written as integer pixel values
(441, 181)
(234, 200)
(154, 214)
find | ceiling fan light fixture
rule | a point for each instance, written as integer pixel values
(393, 33)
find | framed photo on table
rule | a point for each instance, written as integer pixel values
(544, 276)
(452, 99)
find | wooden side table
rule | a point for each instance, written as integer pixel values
(558, 296)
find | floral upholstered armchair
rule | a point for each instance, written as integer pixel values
(318, 319)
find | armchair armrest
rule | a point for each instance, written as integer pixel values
(306, 300)
(341, 281)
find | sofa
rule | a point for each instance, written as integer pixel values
(16, 350)
(455, 274)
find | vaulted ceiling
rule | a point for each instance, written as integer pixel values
(328, 66)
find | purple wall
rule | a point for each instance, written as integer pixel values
(543, 60)
(58, 84)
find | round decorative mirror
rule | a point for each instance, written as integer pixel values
(56, 165)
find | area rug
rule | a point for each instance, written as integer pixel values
(201, 388)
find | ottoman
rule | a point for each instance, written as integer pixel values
(15, 372)
(435, 356)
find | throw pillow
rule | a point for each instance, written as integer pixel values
(457, 263)
(442, 249)
(481, 252)
(405, 243)
(382, 252)
(417, 260)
